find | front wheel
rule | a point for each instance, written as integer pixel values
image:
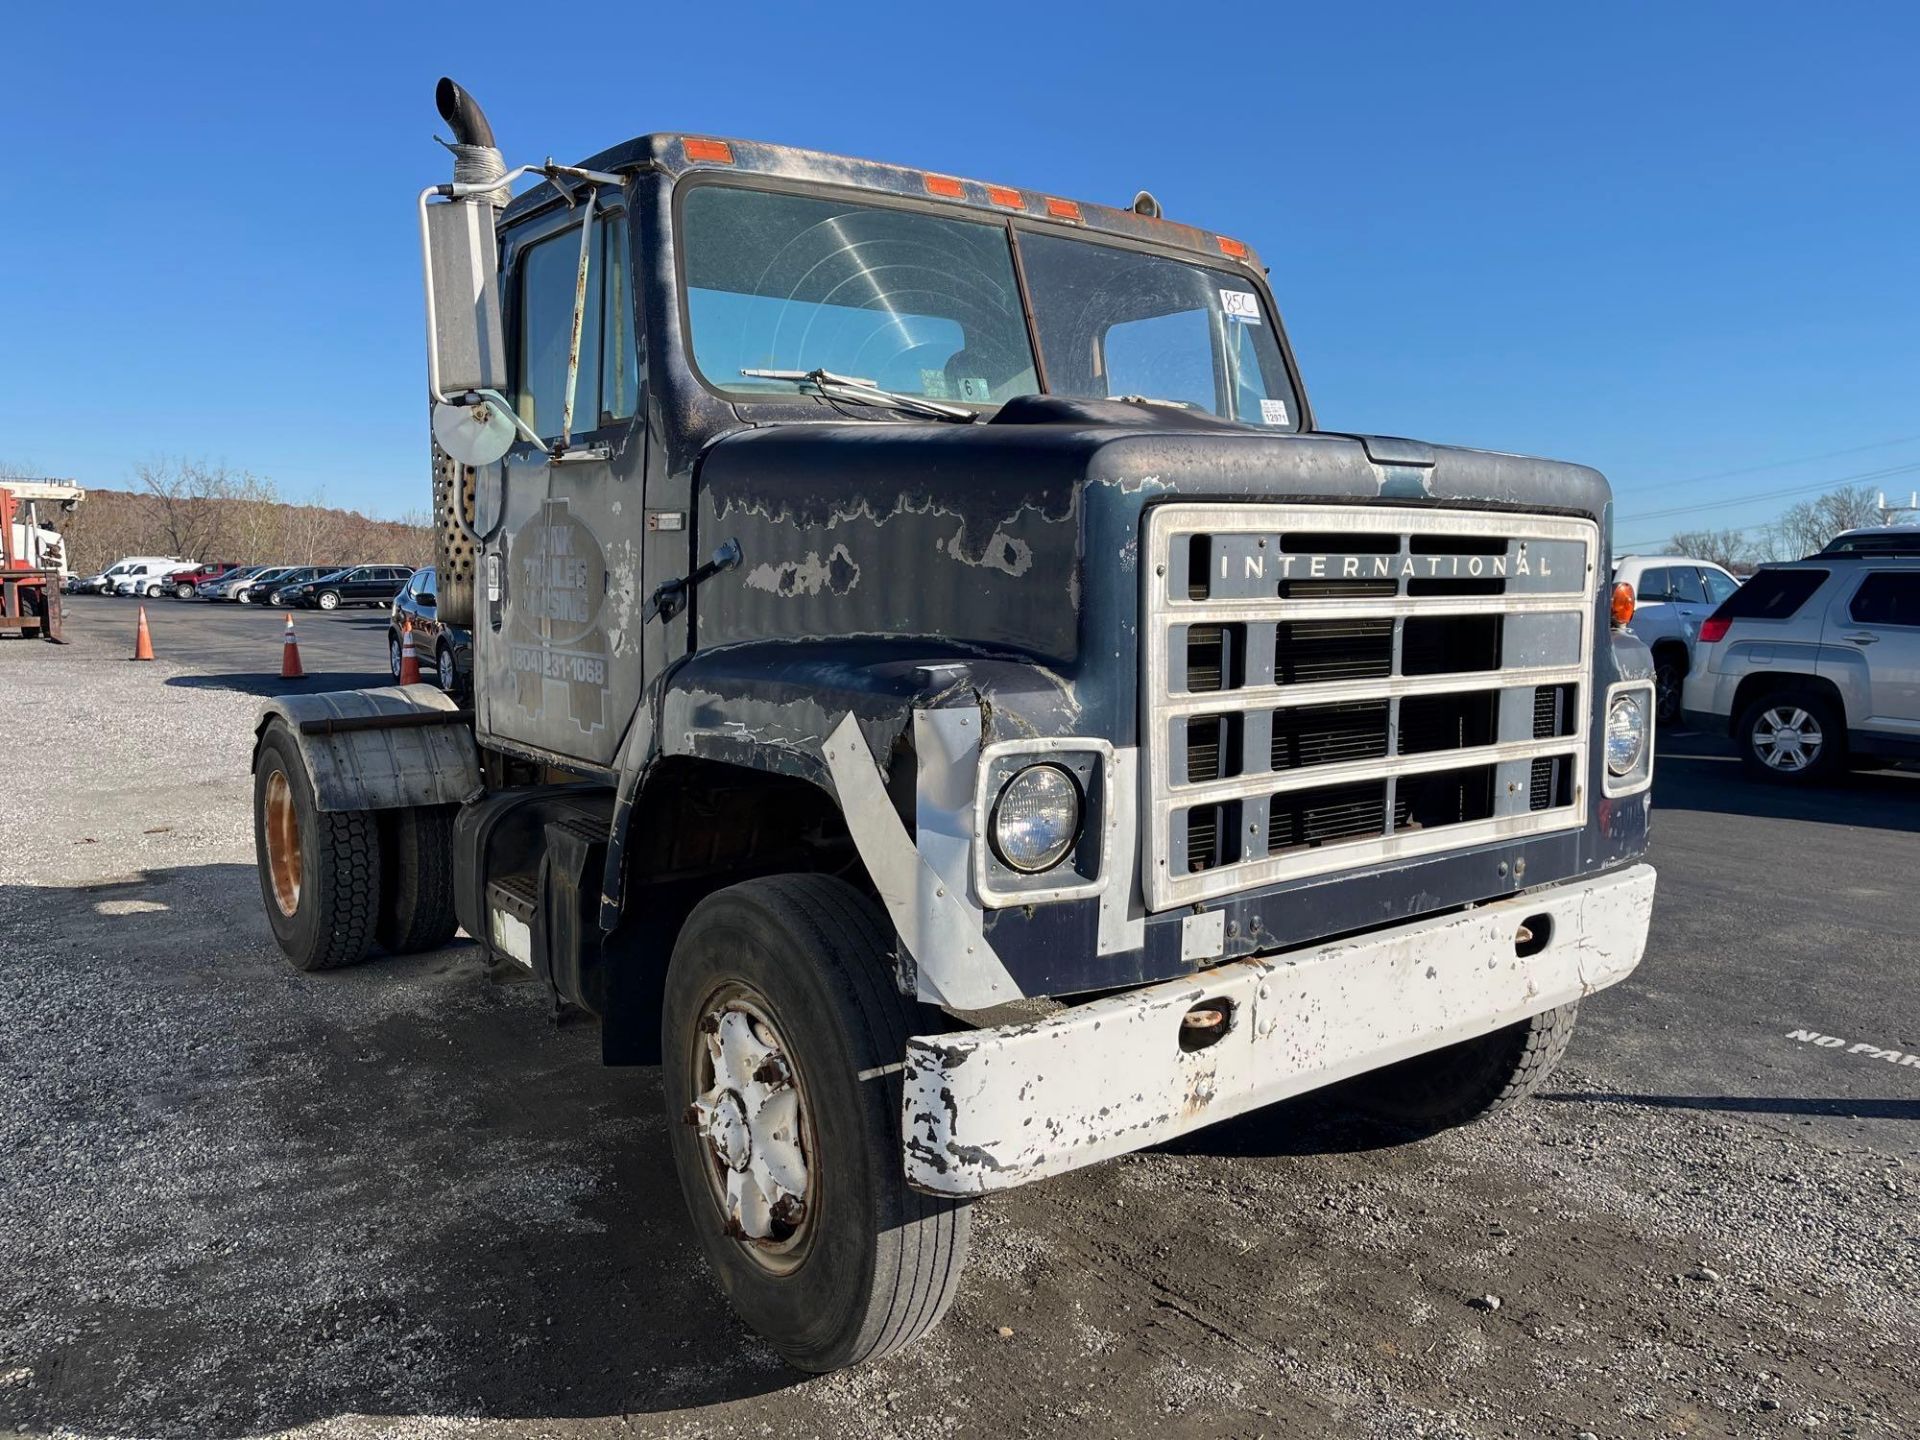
(393, 655)
(183, 592)
(1468, 1081)
(1668, 676)
(782, 1035)
(1791, 736)
(329, 600)
(153, 592)
(244, 598)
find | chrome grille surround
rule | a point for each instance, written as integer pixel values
(1252, 797)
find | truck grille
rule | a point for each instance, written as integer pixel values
(1330, 687)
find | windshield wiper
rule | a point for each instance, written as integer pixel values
(865, 392)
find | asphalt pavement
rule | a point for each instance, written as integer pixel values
(406, 1200)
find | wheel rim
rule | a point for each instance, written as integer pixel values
(283, 844)
(1787, 738)
(327, 602)
(447, 676)
(755, 1130)
(1666, 692)
(393, 656)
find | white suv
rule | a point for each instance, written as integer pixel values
(1813, 663)
(1672, 595)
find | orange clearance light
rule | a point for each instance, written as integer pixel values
(717, 152)
(1236, 248)
(945, 185)
(1002, 196)
(1062, 209)
(1622, 603)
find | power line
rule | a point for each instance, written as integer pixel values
(1821, 485)
(1769, 465)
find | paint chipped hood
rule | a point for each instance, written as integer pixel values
(1020, 536)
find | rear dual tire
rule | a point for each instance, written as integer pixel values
(335, 883)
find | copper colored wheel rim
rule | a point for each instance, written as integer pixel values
(283, 844)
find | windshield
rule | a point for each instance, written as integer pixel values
(929, 306)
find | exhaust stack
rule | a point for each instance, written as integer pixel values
(475, 159)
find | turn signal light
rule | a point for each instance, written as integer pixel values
(945, 185)
(1007, 198)
(1236, 248)
(717, 152)
(1713, 629)
(1062, 209)
(1622, 603)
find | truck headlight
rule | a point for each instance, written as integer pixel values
(1626, 733)
(1036, 819)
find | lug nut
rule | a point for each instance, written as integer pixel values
(709, 1024)
(789, 1210)
(773, 1071)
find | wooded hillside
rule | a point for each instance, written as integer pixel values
(210, 513)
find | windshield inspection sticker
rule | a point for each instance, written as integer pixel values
(976, 389)
(1241, 305)
(1273, 412)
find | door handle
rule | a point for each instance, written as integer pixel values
(1863, 639)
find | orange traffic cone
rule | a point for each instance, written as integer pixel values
(290, 655)
(409, 661)
(142, 640)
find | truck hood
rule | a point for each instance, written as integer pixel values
(1017, 537)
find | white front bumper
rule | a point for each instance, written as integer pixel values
(990, 1109)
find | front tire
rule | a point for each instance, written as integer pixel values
(1793, 737)
(328, 600)
(449, 672)
(782, 1034)
(153, 592)
(393, 655)
(1669, 674)
(183, 592)
(1468, 1081)
(319, 870)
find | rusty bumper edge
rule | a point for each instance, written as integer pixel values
(986, 1110)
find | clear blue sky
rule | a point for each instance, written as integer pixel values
(1666, 239)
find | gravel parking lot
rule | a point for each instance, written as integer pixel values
(404, 1200)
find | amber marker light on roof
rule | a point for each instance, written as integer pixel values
(717, 152)
(1062, 209)
(1236, 248)
(1008, 199)
(944, 185)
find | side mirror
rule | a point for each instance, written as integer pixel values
(463, 296)
(426, 600)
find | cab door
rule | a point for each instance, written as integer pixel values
(557, 613)
(1879, 622)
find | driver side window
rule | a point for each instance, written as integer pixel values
(608, 384)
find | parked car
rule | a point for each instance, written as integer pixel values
(107, 580)
(150, 578)
(185, 584)
(1812, 664)
(259, 589)
(445, 651)
(1672, 595)
(356, 585)
(1875, 540)
(222, 587)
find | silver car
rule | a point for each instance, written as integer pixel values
(1672, 595)
(1813, 664)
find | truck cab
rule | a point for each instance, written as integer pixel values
(939, 695)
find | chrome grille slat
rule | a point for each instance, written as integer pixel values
(1298, 757)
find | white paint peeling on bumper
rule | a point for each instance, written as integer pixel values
(990, 1109)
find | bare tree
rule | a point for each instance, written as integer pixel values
(1729, 549)
(1804, 528)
